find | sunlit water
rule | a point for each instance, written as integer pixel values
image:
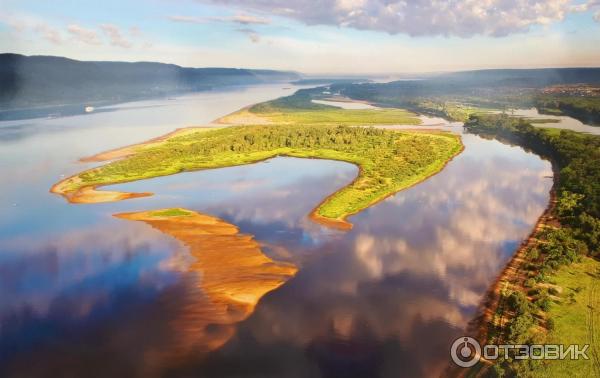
(83, 293)
(560, 122)
(428, 121)
(355, 105)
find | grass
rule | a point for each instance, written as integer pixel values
(299, 109)
(576, 319)
(452, 110)
(338, 116)
(389, 160)
(175, 212)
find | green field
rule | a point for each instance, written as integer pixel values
(389, 160)
(576, 319)
(299, 109)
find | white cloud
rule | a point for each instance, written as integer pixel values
(462, 18)
(244, 19)
(188, 19)
(114, 35)
(84, 35)
(21, 24)
(49, 34)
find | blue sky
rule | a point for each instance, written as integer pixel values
(319, 37)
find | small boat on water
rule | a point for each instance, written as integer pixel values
(89, 109)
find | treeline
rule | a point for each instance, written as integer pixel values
(585, 109)
(577, 158)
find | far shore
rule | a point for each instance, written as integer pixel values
(512, 276)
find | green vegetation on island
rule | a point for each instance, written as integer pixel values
(389, 160)
(174, 212)
(299, 109)
(556, 283)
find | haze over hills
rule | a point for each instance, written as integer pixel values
(468, 81)
(51, 80)
(29, 81)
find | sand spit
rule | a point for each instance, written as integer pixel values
(233, 272)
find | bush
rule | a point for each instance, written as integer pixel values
(518, 302)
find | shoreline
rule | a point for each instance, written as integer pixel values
(344, 224)
(123, 152)
(482, 325)
(90, 194)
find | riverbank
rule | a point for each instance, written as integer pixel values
(519, 306)
(492, 313)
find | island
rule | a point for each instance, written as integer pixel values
(388, 160)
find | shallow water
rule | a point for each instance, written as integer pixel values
(356, 105)
(83, 292)
(562, 122)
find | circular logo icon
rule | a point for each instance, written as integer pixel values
(465, 351)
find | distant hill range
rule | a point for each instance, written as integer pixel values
(523, 78)
(466, 82)
(49, 80)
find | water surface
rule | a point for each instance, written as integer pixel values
(559, 122)
(83, 292)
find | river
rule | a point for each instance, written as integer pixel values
(84, 293)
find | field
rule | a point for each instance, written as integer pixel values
(298, 109)
(389, 160)
(576, 319)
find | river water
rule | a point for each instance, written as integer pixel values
(83, 293)
(558, 122)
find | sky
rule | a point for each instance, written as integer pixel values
(341, 37)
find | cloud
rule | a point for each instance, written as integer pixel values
(114, 35)
(21, 24)
(463, 18)
(49, 34)
(188, 19)
(252, 34)
(135, 31)
(246, 19)
(84, 35)
(243, 19)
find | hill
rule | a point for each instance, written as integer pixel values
(50, 80)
